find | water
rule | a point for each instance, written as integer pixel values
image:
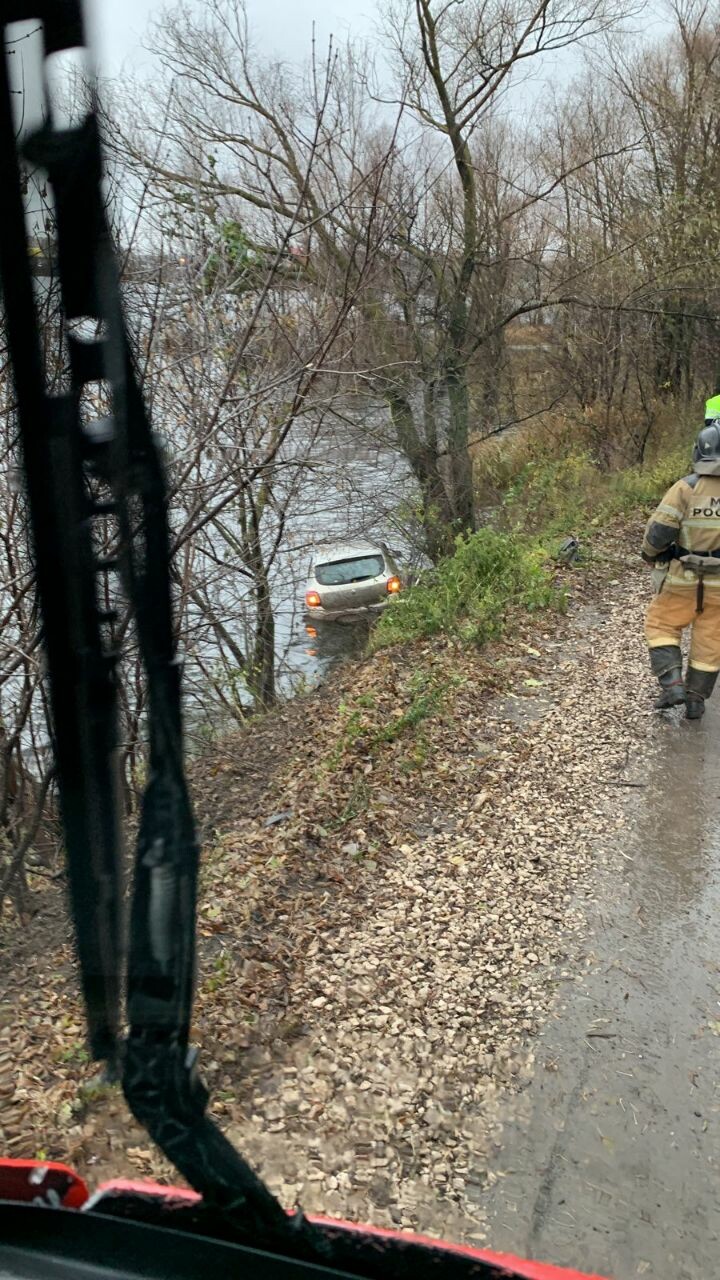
(356, 490)
(349, 484)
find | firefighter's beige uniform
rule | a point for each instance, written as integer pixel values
(688, 518)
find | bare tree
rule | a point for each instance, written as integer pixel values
(253, 340)
(638, 330)
(25, 769)
(455, 237)
(455, 63)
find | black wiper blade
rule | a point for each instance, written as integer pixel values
(66, 466)
(81, 671)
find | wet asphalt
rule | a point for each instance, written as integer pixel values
(615, 1168)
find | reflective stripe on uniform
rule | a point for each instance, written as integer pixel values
(667, 510)
(675, 609)
(686, 580)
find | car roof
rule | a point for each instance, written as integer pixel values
(345, 551)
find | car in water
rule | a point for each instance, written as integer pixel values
(350, 579)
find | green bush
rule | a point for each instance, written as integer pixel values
(641, 488)
(468, 593)
(553, 496)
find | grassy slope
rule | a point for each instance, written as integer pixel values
(385, 751)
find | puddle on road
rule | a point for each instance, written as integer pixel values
(618, 1169)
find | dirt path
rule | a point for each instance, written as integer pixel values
(397, 1074)
(617, 1167)
(596, 1144)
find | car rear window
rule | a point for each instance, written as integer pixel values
(343, 571)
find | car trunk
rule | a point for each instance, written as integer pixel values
(354, 595)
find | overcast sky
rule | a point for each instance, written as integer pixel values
(281, 27)
(284, 28)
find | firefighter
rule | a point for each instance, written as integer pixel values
(682, 542)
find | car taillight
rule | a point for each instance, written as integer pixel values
(312, 600)
(394, 585)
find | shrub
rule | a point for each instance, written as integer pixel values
(550, 496)
(641, 488)
(553, 496)
(468, 594)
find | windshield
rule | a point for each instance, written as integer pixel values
(452, 979)
(355, 570)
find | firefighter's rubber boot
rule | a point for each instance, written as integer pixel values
(666, 663)
(698, 686)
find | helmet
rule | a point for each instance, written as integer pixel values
(706, 454)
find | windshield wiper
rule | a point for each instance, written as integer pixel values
(78, 475)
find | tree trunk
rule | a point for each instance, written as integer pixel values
(437, 512)
(262, 673)
(676, 340)
(461, 473)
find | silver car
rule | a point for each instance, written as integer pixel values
(350, 578)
